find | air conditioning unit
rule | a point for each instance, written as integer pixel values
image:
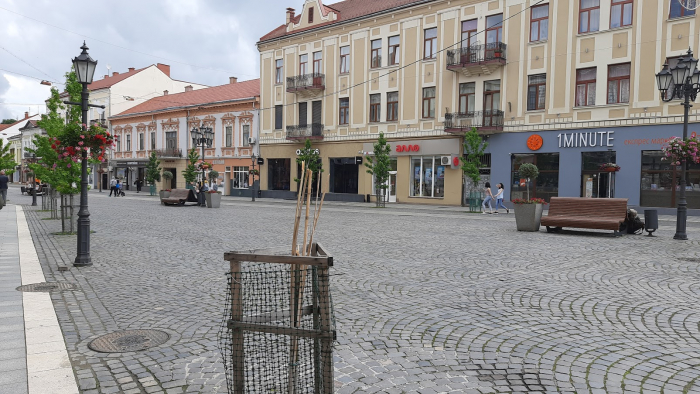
(445, 160)
(251, 140)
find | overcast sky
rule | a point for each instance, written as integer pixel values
(204, 41)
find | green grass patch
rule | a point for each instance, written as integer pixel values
(50, 219)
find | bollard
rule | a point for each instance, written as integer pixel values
(651, 221)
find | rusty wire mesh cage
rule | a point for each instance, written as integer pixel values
(278, 329)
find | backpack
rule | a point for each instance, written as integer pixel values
(633, 223)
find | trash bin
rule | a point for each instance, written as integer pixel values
(651, 220)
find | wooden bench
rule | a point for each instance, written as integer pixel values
(579, 212)
(180, 197)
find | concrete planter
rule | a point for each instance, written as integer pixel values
(163, 194)
(213, 200)
(528, 216)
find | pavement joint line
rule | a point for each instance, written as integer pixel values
(44, 368)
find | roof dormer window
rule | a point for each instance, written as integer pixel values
(311, 14)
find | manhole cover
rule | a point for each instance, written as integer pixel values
(128, 341)
(47, 287)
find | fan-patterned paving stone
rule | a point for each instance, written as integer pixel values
(426, 300)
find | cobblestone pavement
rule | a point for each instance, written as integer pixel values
(426, 300)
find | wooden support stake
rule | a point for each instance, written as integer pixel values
(238, 356)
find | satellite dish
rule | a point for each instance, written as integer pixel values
(689, 4)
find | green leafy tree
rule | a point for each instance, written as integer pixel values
(7, 160)
(311, 157)
(153, 169)
(190, 172)
(474, 147)
(528, 171)
(379, 165)
(8, 121)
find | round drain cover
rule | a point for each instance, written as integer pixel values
(47, 287)
(128, 341)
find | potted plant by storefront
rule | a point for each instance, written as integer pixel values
(609, 167)
(528, 213)
(167, 176)
(213, 199)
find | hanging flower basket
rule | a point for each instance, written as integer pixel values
(203, 165)
(254, 172)
(609, 167)
(678, 150)
(93, 141)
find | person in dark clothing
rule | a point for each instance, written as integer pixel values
(138, 184)
(3, 188)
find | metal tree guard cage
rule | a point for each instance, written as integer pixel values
(278, 330)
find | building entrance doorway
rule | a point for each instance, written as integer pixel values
(597, 183)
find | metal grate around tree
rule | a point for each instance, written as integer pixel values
(278, 330)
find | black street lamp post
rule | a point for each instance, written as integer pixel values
(204, 137)
(84, 67)
(32, 159)
(681, 82)
(253, 158)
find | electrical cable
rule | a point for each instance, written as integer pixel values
(24, 61)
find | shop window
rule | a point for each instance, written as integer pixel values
(392, 106)
(619, 83)
(494, 28)
(278, 117)
(343, 175)
(660, 182)
(343, 110)
(428, 177)
(539, 22)
(430, 43)
(621, 13)
(375, 107)
(428, 103)
(594, 182)
(229, 136)
(467, 97)
(344, 59)
(589, 16)
(279, 68)
(376, 55)
(239, 178)
(279, 172)
(394, 50)
(677, 10)
(585, 86)
(536, 92)
(545, 186)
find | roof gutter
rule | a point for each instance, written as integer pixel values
(182, 107)
(390, 10)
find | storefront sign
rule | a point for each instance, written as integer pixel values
(647, 141)
(586, 139)
(132, 163)
(407, 148)
(358, 160)
(316, 151)
(261, 161)
(534, 142)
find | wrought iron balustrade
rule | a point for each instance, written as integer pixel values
(168, 152)
(478, 54)
(461, 122)
(310, 131)
(306, 81)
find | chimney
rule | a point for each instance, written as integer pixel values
(164, 68)
(188, 88)
(26, 115)
(232, 79)
(106, 76)
(165, 92)
(131, 69)
(290, 14)
(115, 73)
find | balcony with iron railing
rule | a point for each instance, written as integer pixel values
(477, 59)
(168, 153)
(312, 131)
(306, 83)
(485, 122)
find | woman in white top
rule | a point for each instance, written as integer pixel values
(499, 198)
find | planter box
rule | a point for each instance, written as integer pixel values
(213, 200)
(163, 194)
(528, 216)
(152, 189)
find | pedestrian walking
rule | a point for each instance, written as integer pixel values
(112, 186)
(117, 188)
(3, 188)
(499, 198)
(138, 185)
(487, 199)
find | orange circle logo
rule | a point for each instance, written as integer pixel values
(534, 142)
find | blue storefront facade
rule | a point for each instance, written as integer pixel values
(569, 162)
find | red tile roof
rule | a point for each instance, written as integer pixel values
(4, 126)
(346, 10)
(231, 91)
(109, 81)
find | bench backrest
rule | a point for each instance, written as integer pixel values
(613, 208)
(181, 194)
